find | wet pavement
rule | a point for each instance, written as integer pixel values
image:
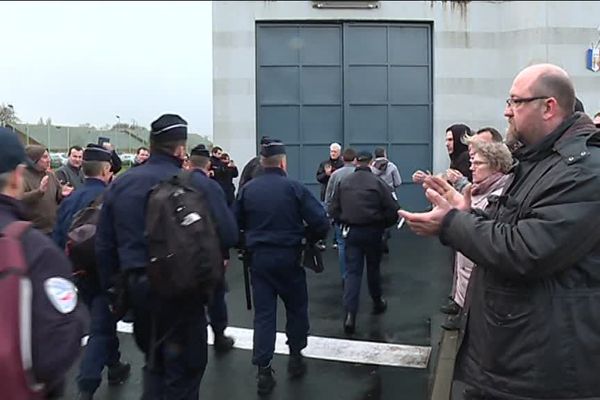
(416, 278)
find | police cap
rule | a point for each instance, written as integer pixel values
(271, 147)
(200, 150)
(95, 152)
(168, 128)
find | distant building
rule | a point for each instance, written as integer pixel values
(60, 138)
(383, 73)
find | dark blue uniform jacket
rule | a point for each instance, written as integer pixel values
(56, 337)
(271, 209)
(78, 200)
(120, 240)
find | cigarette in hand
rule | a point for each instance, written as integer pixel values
(400, 223)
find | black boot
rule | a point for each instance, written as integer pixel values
(452, 323)
(296, 365)
(379, 305)
(118, 373)
(264, 380)
(349, 323)
(223, 343)
(451, 308)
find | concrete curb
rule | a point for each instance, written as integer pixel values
(444, 370)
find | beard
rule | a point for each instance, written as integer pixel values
(513, 138)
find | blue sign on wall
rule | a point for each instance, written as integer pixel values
(593, 59)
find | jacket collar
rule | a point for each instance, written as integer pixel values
(541, 149)
(94, 182)
(74, 169)
(361, 168)
(157, 158)
(275, 171)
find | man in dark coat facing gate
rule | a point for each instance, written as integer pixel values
(533, 326)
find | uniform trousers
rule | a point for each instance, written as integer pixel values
(102, 348)
(172, 335)
(277, 272)
(217, 308)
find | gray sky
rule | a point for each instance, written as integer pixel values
(79, 62)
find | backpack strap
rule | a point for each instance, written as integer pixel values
(97, 201)
(185, 178)
(16, 229)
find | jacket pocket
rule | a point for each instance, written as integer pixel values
(511, 329)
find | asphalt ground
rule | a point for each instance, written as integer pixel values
(416, 278)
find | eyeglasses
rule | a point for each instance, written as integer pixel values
(510, 102)
(478, 163)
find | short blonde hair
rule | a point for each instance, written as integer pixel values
(496, 154)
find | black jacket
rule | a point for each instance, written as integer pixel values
(223, 175)
(363, 199)
(55, 335)
(533, 327)
(250, 171)
(323, 178)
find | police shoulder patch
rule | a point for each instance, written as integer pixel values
(62, 294)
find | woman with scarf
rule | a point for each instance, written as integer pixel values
(490, 168)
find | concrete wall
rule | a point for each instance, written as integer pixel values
(477, 50)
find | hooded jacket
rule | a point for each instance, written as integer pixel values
(459, 159)
(533, 319)
(387, 170)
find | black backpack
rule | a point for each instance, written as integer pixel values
(183, 242)
(81, 239)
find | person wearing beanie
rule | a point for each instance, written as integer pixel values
(57, 318)
(160, 325)
(102, 348)
(43, 191)
(272, 210)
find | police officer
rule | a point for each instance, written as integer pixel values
(103, 345)
(171, 333)
(364, 206)
(273, 210)
(57, 318)
(217, 308)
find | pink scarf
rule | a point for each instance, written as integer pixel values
(491, 183)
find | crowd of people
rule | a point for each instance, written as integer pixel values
(519, 213)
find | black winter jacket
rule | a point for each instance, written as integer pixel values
(533, 325)
(323, 178)
(363, 199)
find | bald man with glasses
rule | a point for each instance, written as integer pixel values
(533, 325)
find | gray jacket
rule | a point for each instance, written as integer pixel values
(387, 170)
(67, 174)
(334, 181)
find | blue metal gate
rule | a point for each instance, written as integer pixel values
(359, 84)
